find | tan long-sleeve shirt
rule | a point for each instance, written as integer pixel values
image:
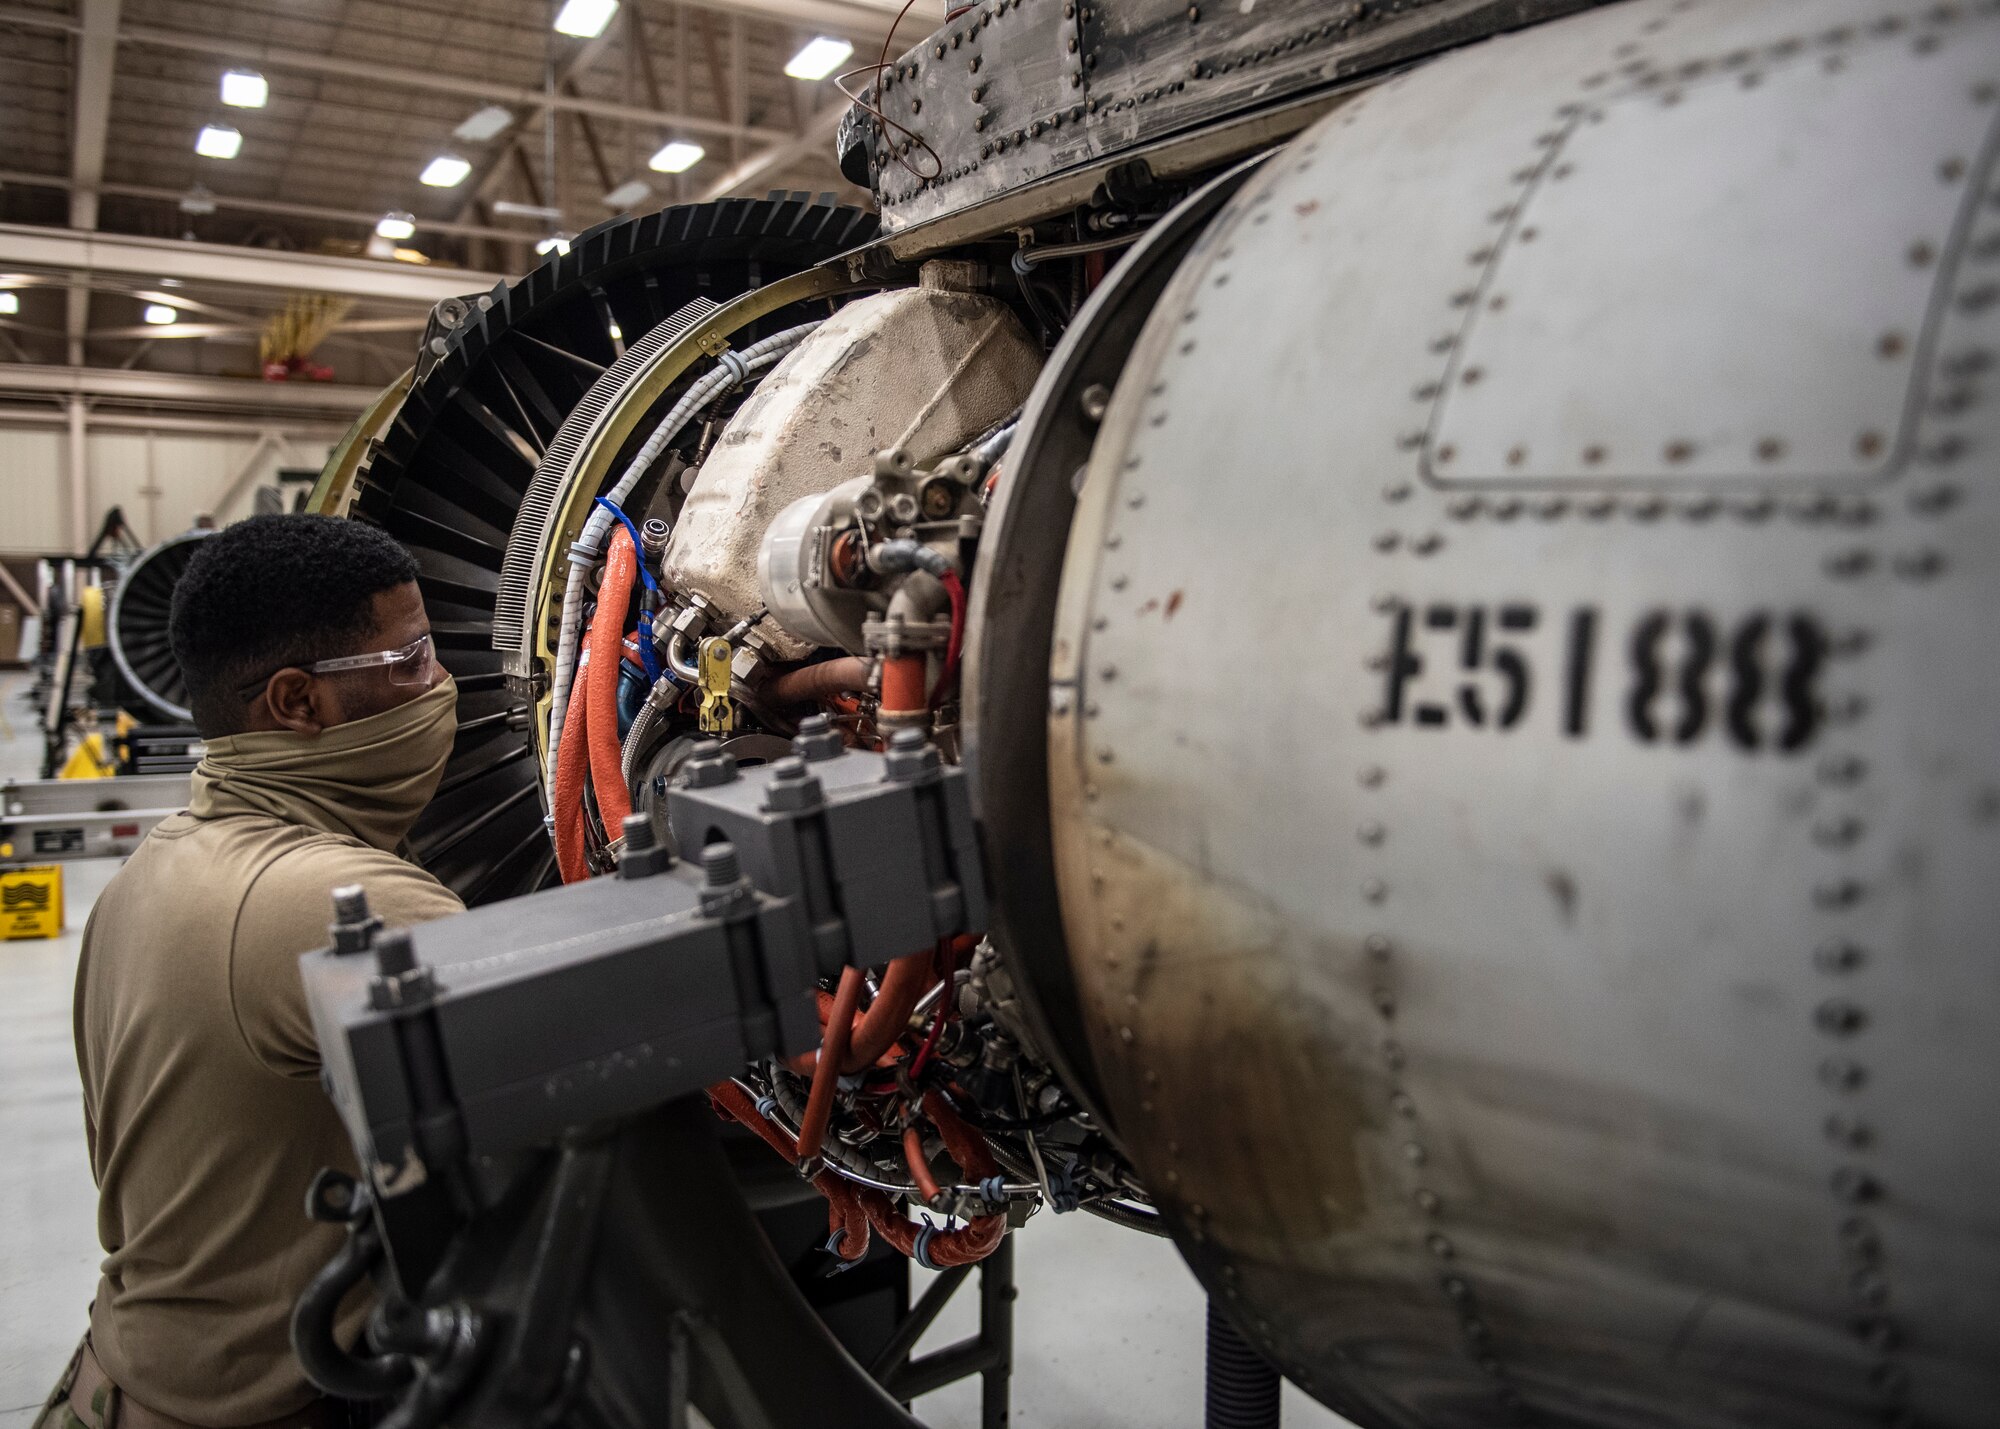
(202, 1100)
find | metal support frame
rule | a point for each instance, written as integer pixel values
(96, 59)
(282, 208)
(53, 820)
(330, 398)
(233, 485)
(76, 457)
(281, 57)
(816, 138)
(299, 429)
(988, 1354)
(24, 245)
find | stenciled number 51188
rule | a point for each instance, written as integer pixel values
(1684, 672)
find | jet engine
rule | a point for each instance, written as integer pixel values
(1354, 638)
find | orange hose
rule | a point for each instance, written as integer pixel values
(809, 683)
(975, 1240)
(572, 763)
(853, 1210)
(844, 1211)
(903, 691)
(888, 1016)
(819, 1101)
(920, 1167)
(607, 650)
(967, 1147)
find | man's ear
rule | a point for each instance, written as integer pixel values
(293, 698)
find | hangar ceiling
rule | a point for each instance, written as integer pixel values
(105, 101)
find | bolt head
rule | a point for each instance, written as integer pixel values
(706, 771)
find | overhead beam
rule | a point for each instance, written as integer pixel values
(853, 21)
(29, 247)
(304, 428)
(486, 178)
(90, 120)
(116, 384)
(282, 57)
(590, 144)
(271, 206)
(250, 332)
(750, 175)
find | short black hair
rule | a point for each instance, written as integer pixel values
(273, 591)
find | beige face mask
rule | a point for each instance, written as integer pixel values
(368, 778)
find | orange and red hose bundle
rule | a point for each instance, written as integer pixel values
(589, 752)
(854, 1040)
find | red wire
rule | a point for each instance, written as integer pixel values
(819, 1099)
(874, 108)
(955, 588)
(923, 1056)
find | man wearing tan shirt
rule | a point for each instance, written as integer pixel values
(328, 721)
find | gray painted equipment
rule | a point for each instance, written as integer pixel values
(44, 820)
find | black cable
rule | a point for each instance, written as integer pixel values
(1048, 325)
(985, 1121)
(1131, 1217)
(1242, 1385)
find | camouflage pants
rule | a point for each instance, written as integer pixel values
(57, 1413)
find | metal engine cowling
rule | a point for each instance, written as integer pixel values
(1527, 836)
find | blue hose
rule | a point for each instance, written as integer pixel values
(647, 655)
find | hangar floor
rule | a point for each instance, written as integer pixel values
(1108, 1328)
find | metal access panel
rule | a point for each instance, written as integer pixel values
(1572, 461)
(1012, 92)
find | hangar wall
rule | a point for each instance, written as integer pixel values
(162, 479)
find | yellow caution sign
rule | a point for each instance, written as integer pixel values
(718, 715)
(31, 902)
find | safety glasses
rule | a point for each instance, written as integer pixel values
(411, 664)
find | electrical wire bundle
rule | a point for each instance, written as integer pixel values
(872, 1116)
(883, 1077)
(586, 754)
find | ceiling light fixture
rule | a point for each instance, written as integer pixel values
(483, 124)
(198, 200)
(446, 171)
(244, 89)
(820, 58)
(628, 195)
(218, 141)
(676, 156)
(397, 224)
(585, 19)
(159, 314)
(617, 333)
(10, 303)
(554, 243)
(507, 208)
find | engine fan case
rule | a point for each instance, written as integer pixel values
(137, 628)
(925, 369)
(1522, 731)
